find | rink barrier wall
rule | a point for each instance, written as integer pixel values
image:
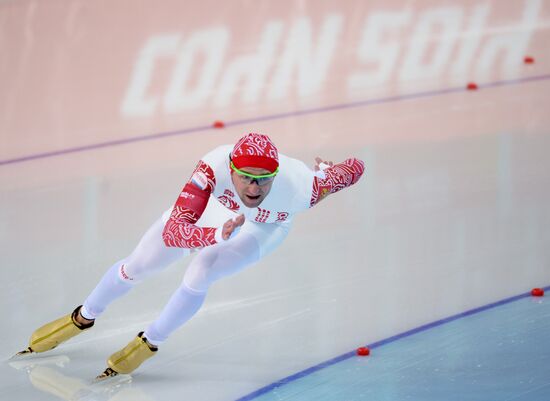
(269, 117)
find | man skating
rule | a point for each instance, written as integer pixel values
(260, 191)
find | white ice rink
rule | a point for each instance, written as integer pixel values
(97, 137)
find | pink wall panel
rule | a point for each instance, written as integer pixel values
(78, 72)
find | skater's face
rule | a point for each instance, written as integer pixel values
(252, 191)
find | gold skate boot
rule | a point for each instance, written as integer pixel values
(54, 333)
(129, 358)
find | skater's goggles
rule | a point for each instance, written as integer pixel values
(247, 178)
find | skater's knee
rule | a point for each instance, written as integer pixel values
(201, 271)
(213, 265)
(125, 274)
(147, 261)
(199, 278)
(133, 270)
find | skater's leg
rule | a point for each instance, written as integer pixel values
(110, 287)
(212, 263)
(181, 307)
(209, 265)
(150, 256)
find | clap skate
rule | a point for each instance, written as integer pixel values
(129, 358)
(54, 333)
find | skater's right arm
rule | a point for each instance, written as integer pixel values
(180, 229)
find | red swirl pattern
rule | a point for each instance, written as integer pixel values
(228, 203)
(337, 177)
(180, 230)
(255, 144)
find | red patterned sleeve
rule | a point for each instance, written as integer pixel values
(336, 178)
(180, 230)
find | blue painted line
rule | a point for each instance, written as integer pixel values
(343, 106)
(380, 343)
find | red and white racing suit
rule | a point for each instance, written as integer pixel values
(296, 188)
(206, 202)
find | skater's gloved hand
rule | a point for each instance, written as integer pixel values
(320, 166)
(230, 227)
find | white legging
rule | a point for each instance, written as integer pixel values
(254, 241)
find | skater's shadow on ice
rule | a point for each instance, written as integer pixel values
(46, 374)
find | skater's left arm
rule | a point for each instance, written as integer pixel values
(330, 178)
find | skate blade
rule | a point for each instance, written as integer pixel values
(107, 373)
(21, 354)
